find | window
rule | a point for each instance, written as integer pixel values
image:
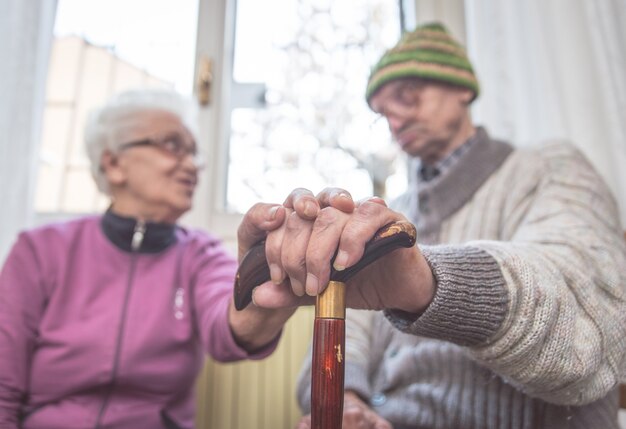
(98, 51)
(298, 113)
(291, 113)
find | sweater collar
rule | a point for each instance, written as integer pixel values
(129, 234)
(441, 197)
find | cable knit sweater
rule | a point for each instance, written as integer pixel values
(527, 326)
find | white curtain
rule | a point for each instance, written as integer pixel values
(26, 28)
(554, 68)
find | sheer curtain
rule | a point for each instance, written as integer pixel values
(554, 68)
(26, 28)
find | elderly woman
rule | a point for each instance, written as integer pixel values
(104, 320)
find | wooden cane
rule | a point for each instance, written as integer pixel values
(327, 368)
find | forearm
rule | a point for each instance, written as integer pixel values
(565, 323)
(535, 314)
(470, 302)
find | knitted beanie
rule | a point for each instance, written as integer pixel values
(429, 52)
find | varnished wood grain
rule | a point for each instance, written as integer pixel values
(327, 373)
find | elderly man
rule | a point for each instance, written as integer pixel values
(510, 313)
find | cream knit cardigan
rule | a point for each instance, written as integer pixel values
(528, 325)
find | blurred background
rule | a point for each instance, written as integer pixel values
(280, 89)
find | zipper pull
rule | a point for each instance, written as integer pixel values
(138, 234)
(179, 301)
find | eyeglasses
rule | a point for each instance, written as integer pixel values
(173, 145)
(405, 94)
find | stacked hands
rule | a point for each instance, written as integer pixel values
(301, 238)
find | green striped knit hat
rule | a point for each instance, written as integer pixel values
(429, 52)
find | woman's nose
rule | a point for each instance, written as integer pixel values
(193, 160)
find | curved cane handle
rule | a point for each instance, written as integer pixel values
(254, 270)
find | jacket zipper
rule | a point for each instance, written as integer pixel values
(138, 235)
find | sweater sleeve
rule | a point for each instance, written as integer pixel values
(22, 301)
(550, 315)
(215, 271)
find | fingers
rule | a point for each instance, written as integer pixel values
(367, 219)
(307, 206)
(352, 419)
(303, 236)
(376, 200)
(346, 234)
(303, 203)
(337, 198)
(273, 251)
(360, 416)
(285, 250)
(323, 241)
(303, 250)
(260, 219)
(273, 297)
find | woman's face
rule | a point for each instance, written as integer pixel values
(154, 173)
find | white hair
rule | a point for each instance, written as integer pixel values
(104, 124)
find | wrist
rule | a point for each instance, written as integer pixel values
(421, 286)
(413, 282)
(255, 327)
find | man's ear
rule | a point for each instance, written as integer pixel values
(110, 165)
(466, 96)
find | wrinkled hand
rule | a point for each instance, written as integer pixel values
(257, 325)
(298, 212)
(299, 252)
(263, 217)
(356, 415)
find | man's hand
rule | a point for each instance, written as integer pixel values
(356, 415)
(256, 326)
(299, 253)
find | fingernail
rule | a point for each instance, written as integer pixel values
(310, 209)
(276, 274)
(273, 211)
(253, 300)
(297, 287)
(312, 285)
(341, 261)
(344, 195)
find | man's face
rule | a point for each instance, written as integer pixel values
(427, 119)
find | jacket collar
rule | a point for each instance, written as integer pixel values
(122, 230)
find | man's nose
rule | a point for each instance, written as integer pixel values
(395, 123)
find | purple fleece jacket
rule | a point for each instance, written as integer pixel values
(92, 335)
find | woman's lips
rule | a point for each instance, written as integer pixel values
(188, 183)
